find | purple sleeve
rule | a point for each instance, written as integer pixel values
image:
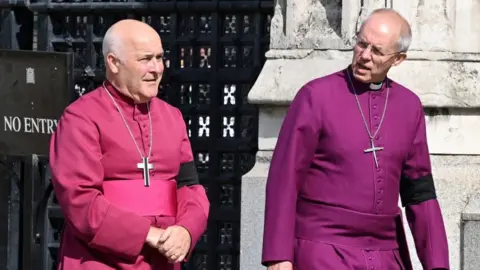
(293, 154)
(418, 195)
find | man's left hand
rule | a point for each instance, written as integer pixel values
(175, 243)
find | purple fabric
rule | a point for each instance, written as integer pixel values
(359, 230)
(429, 235)
(320, 157)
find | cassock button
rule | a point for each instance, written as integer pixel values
(375, 106)
(379, 201)
(375, 117)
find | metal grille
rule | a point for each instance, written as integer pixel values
(16, 23)
(10, 228)
(214, 51)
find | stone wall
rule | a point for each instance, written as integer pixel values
(471, 233)
(312, 38)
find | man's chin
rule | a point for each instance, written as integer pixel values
(362, 77)
(147, 94)
(151, 94)
(150, 88)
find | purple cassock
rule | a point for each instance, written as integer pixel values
(332, 205)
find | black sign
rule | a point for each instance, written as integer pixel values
(35, 88)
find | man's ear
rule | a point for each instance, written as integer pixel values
(399, 59)
(112, 63)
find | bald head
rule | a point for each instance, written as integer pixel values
(125, 33)
(133, 56)
(390, 22)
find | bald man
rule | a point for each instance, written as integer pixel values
(353, 143)
(122, 166)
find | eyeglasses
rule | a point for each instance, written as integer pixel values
(365, 45)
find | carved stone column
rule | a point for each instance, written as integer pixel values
(471, 237)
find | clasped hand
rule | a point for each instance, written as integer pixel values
(173, 243)
(281, 266)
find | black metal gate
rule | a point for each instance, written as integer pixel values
(214, 51)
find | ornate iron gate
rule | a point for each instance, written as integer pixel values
(16, 28)
(214, 51)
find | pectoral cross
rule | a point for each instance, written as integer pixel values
(146, 167)
(373, 150)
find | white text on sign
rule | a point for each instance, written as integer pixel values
(29, 125)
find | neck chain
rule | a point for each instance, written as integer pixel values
(145, 165)
(372, 149)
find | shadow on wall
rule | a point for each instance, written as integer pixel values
(333, 10)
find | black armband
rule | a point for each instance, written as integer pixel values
(187, 176)
(415, 191)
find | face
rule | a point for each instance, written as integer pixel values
(140, 67)
(375, 51)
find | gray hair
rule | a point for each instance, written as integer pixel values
(405, 40)
(111, 44)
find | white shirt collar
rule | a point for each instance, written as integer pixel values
(376, 86)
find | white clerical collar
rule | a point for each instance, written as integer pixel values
(376, 86)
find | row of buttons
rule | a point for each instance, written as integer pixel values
(146, 131)
(370, 258)
(378, 186)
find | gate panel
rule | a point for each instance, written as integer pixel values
(16, 25)
(214, 51)
(16, 33)
(10, 181)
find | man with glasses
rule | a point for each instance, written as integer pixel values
(352, 144)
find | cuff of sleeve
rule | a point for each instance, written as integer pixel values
(121, 233)
(438, 259)
(267, 261)
(428, 231)
(195, 229)
(277, 251)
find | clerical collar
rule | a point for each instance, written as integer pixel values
(376, 86)
(371, 86)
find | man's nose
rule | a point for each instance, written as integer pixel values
(156, 66)
(366, 53)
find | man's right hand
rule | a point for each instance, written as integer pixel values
(281, 266)
(154, 236)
